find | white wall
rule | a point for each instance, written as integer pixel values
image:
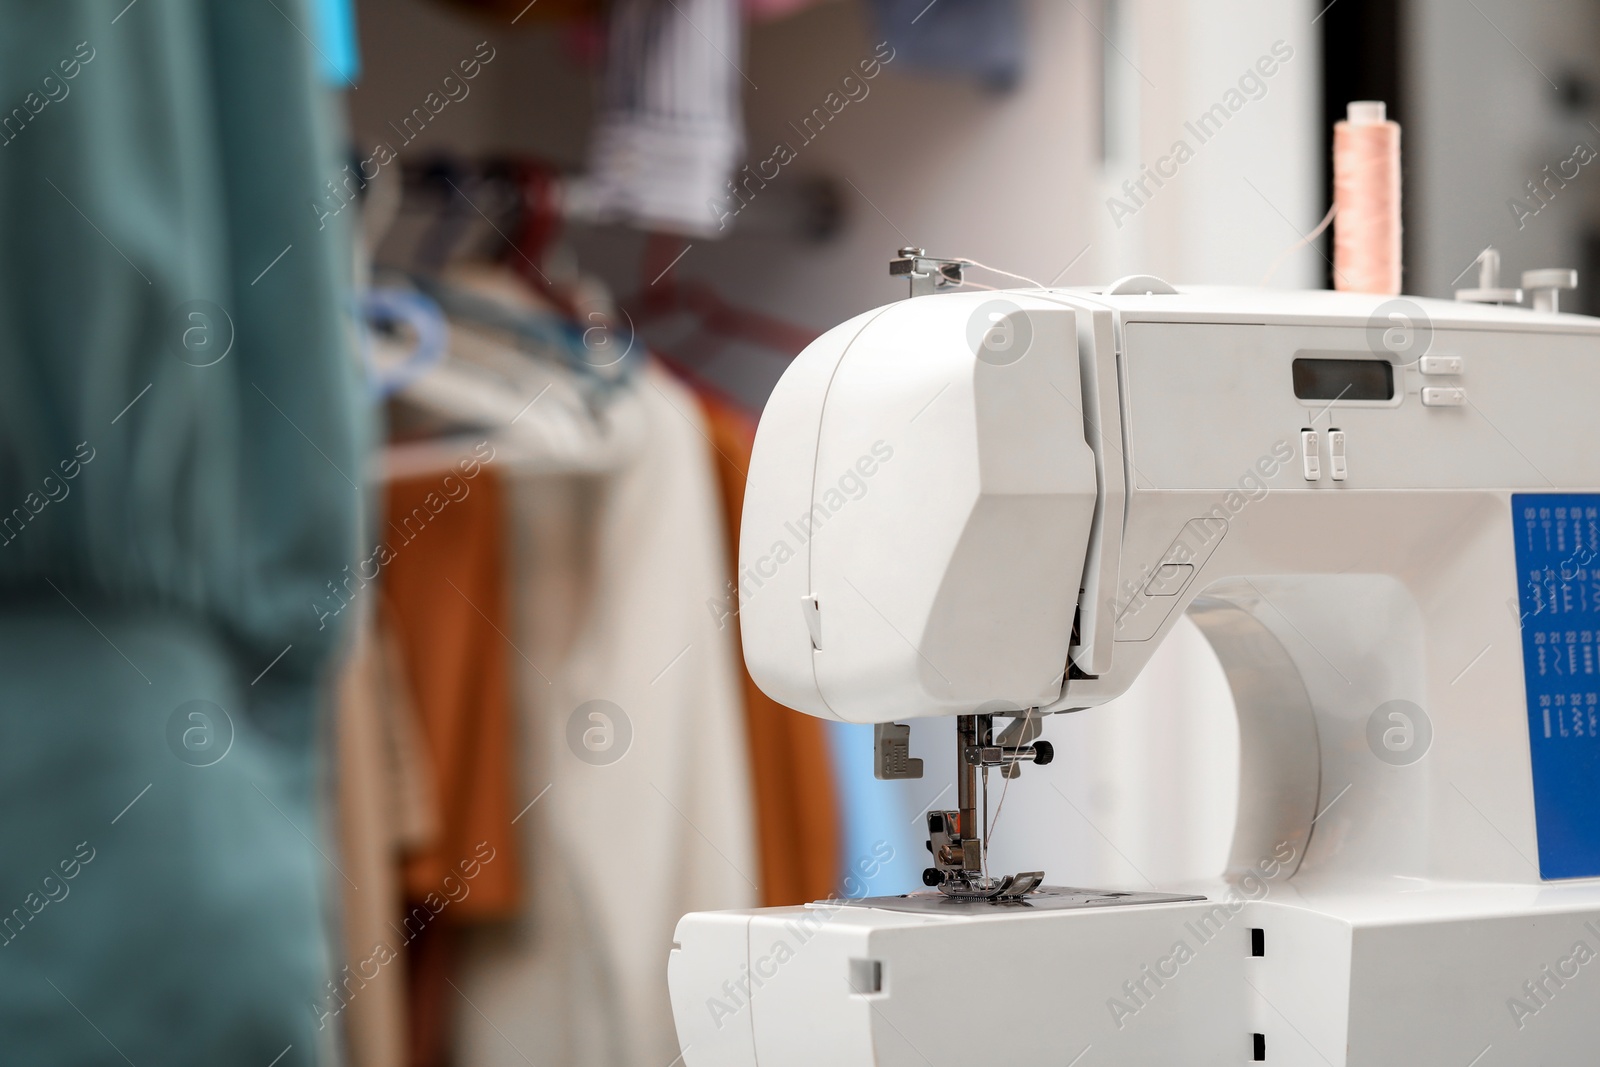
(1251, 189)
(1485, 121)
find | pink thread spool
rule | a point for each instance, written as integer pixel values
(1366, 198)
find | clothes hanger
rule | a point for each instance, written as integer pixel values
(717, 325)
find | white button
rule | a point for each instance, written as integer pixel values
(1309, 453)
(1168, 579)
(1440, 364)
(1336, 465)
(1443, 396)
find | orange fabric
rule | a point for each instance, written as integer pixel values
(797, 811)
(446, 585)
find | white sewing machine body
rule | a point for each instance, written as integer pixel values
(1043, 483)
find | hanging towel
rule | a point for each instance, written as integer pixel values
(669, 134)
(797, 811)
(181, 427)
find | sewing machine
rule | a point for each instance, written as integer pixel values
(1382, 514)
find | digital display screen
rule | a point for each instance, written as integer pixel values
(1343, 379)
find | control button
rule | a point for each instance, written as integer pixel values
(1310, 454)
(1168, 579)
(1336, 464)
(1443, 396)
(1440, 364)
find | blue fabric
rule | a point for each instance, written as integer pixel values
(874, 814)
(981, 39)
(336, 41)
(386, 306)
(181, 442)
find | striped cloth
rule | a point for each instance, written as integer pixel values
(670, 131)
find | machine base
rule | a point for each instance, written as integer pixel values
(1360, 976)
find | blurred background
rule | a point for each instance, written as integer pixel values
(377, 385)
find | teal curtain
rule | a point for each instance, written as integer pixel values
(182, 441)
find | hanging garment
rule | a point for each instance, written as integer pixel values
(670, 132)
(446, 585)
(635, 752)
(181, 427)
(387, 807)
(797, 812)
(335, 34)
(509, 382)
(980, 39)
(442, 560)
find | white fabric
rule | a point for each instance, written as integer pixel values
(613, 574)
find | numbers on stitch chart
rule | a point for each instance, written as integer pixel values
(1572, 715)
(1565, 654)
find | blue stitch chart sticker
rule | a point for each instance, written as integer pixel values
(1558, 578)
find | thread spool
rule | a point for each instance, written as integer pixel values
(1366, 198)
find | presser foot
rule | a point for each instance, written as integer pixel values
(958, 865)
(1010, 887)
